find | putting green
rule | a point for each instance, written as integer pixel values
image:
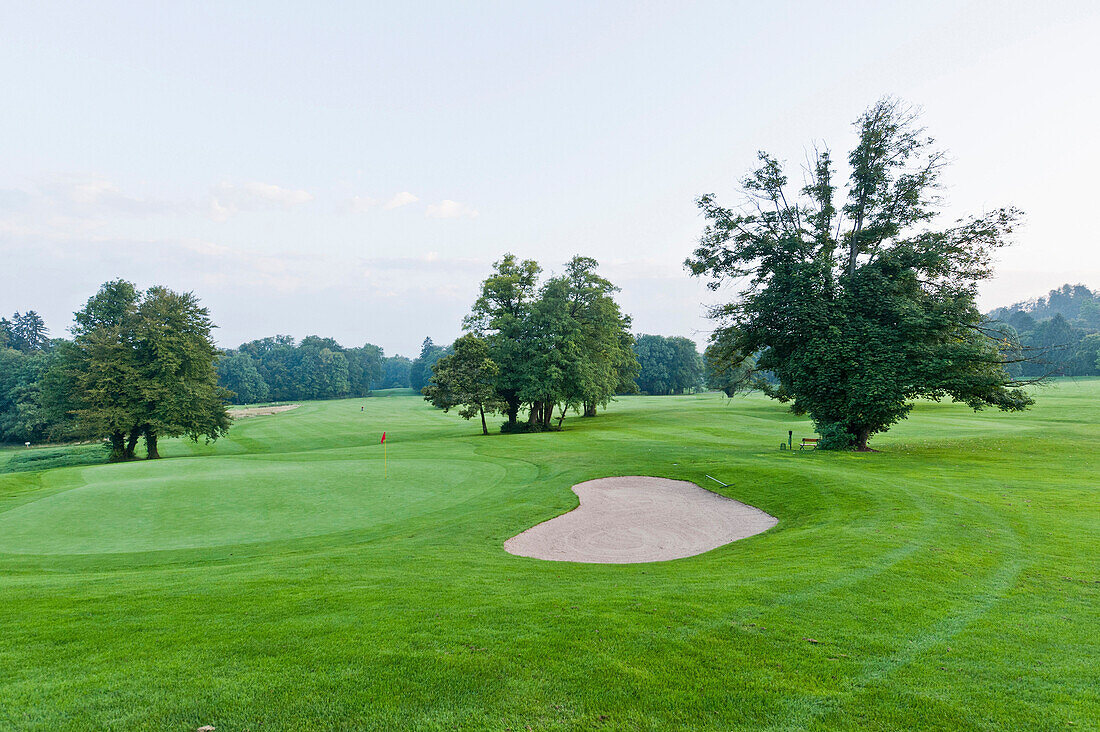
(192, 503)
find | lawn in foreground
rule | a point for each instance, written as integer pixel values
(278, 579)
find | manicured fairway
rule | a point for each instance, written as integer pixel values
(278, 581)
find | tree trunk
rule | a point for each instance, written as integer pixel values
(151, 444)
(862, 436)
(131, 443)
(590, 409)
(561, 416)
(118, 447)
(484, 429)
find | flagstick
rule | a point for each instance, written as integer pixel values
(386, 458)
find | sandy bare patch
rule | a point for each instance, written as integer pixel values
(640, 519)
(246, 412)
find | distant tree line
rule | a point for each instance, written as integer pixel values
(142, 365)
(25, 354)
(139, 367)
(1058, 335)
(279, 368)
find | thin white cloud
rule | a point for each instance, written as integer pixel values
(360, 204)
(448, 209)
(403, 198)
(276, 194)
(93, 191)
(218, 212)
(228, 198)
(97, 196)
(61, 207)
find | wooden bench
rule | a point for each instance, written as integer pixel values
(811, 441)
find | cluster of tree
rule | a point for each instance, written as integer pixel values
(667, 365)
(280, 369)
(1058, 335)
(858, 306)
(561, 344)
(140, 365)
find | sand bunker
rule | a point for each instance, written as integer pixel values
(246, 412)
(640, 519)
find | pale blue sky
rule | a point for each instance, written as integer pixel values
(352, 169)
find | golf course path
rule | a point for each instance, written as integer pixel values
(640, 519)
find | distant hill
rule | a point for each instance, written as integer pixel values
(1076, 303)
(1060, 333)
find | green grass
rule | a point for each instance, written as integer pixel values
(276, 580)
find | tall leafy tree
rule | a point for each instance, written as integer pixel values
(552, 371)
(859, 306)
(31, 332)
(421, 369)
(364, 368)
(25, 332)
(100, 378)
(501, 314)
(176, 359)
(466, 380)
(668, 365)
(607, 361)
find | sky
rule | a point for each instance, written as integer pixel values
(354, 169)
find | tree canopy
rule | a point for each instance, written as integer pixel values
(851, 299)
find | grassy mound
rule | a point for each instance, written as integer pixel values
(20, 459)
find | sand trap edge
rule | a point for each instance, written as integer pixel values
(639, 519)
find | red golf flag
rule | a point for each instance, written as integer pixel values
(383, 438)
